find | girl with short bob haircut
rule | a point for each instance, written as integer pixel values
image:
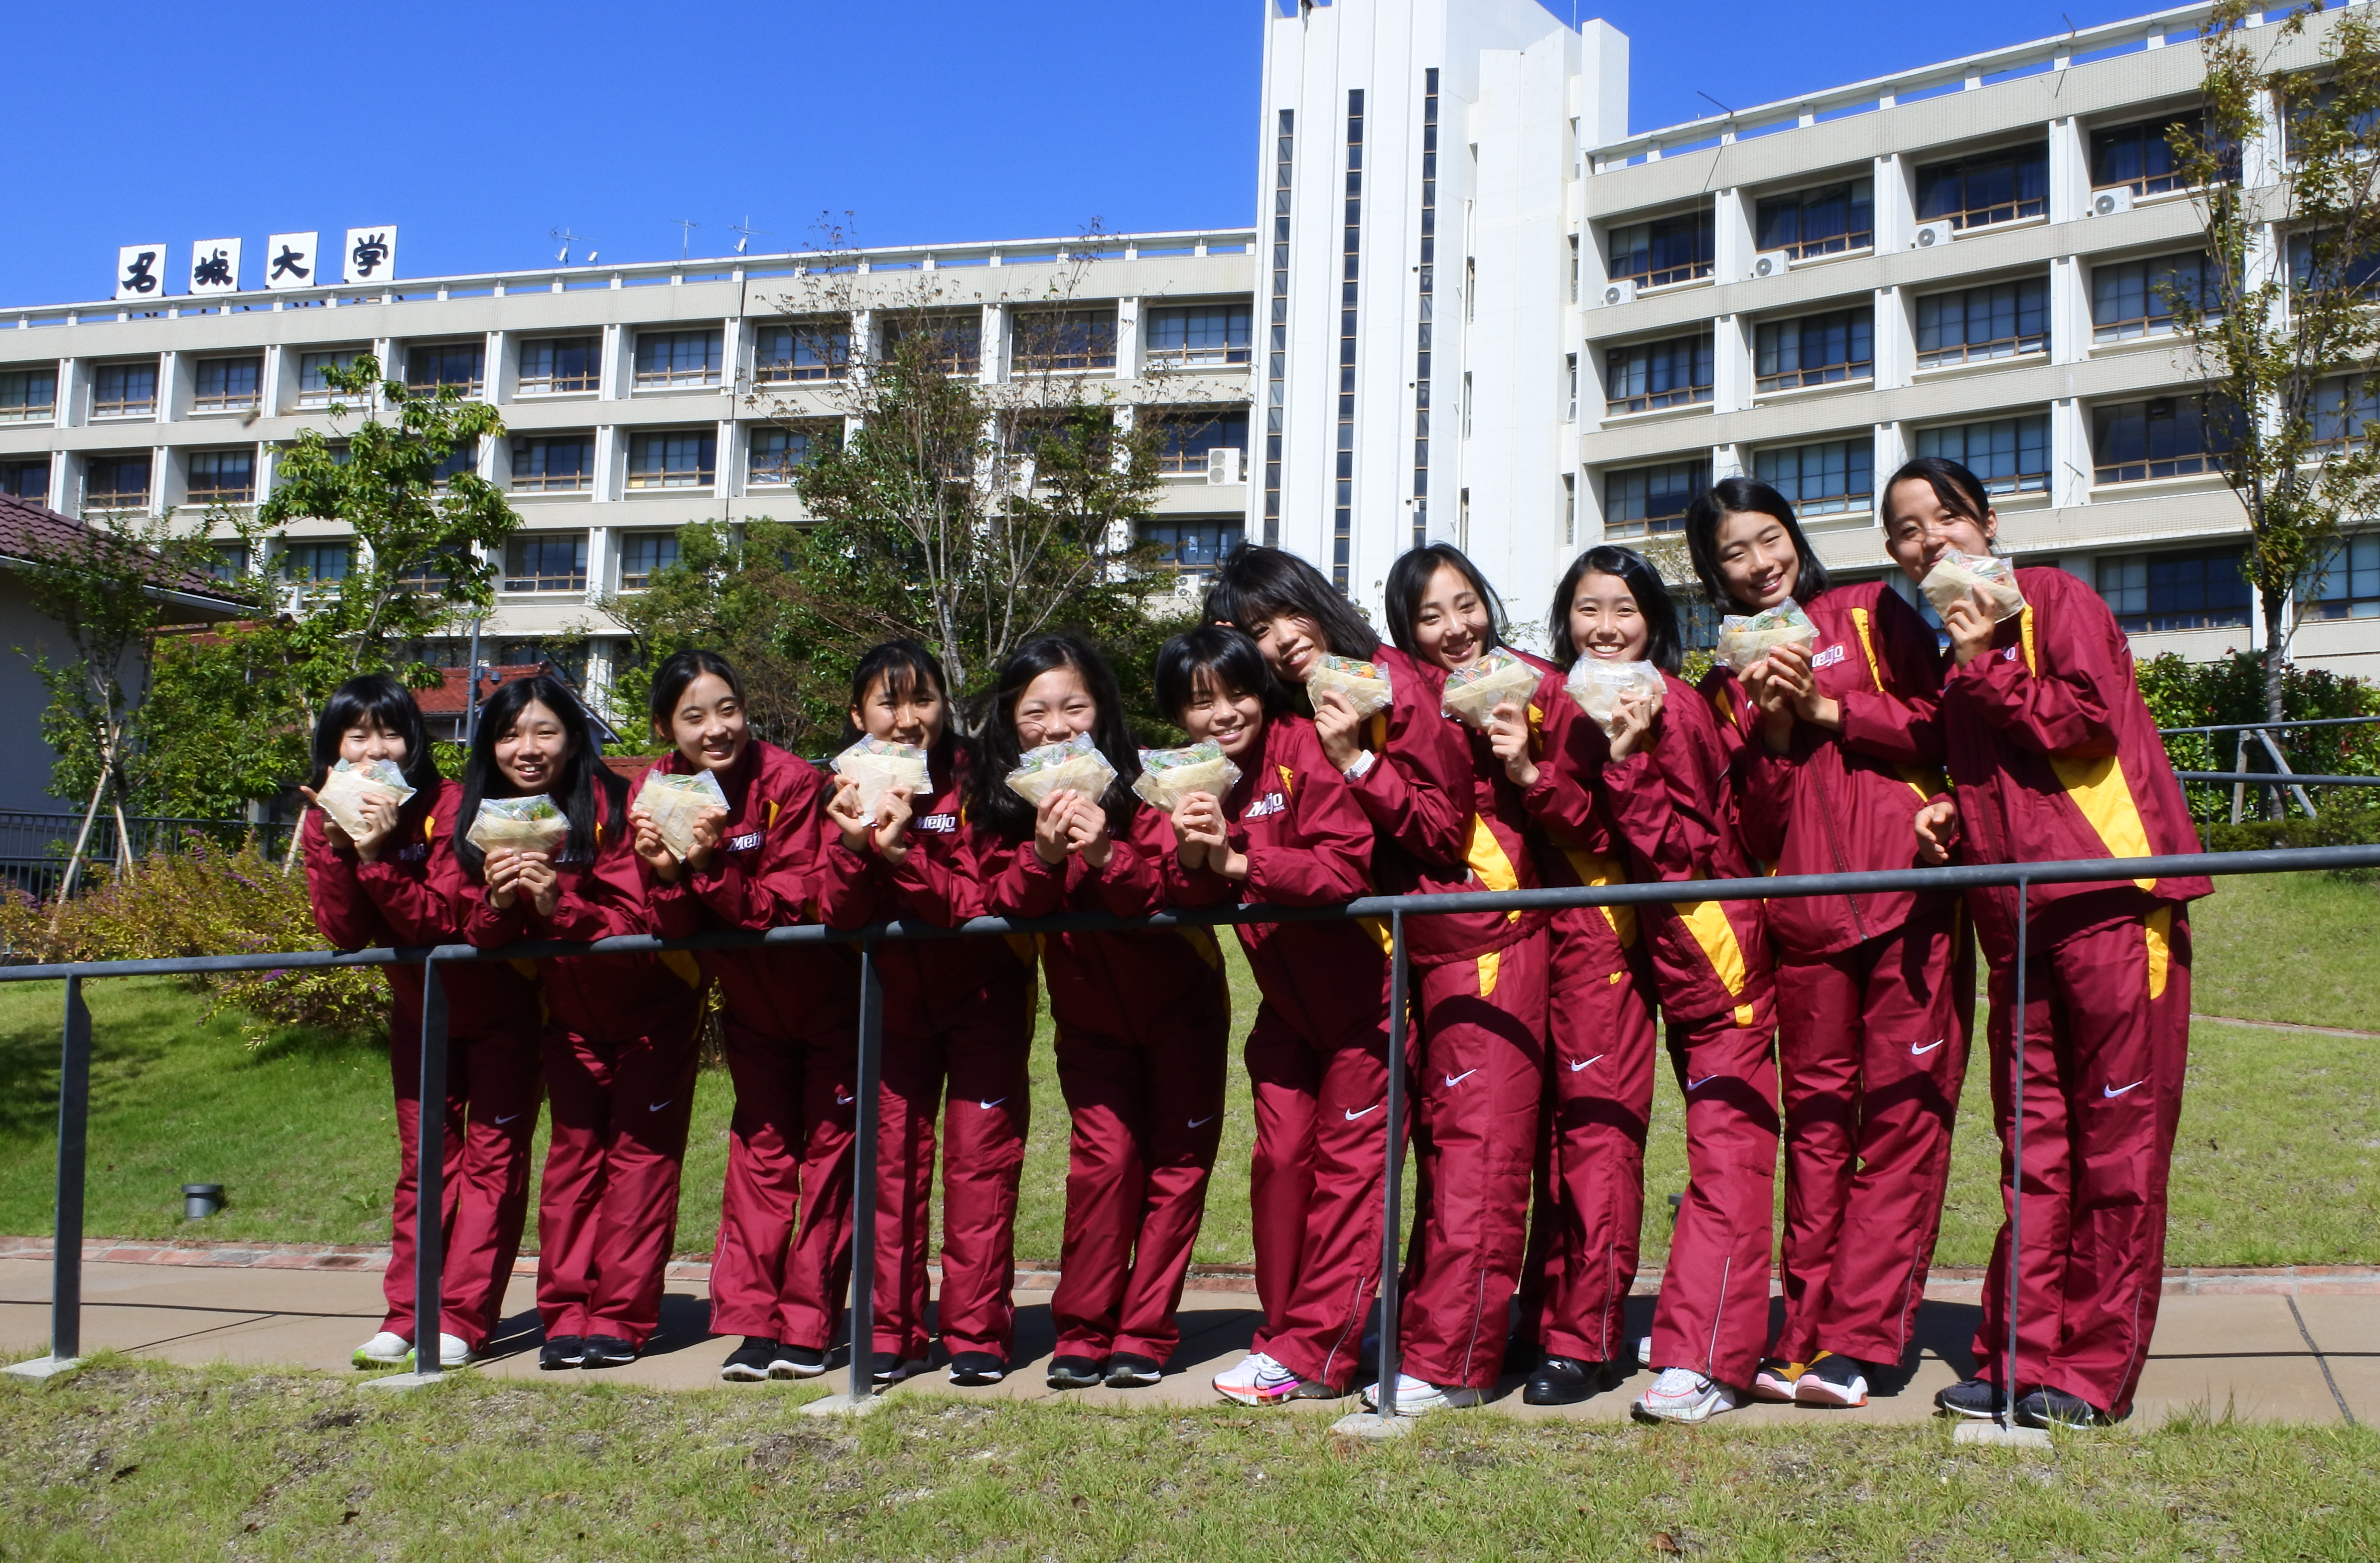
(958, 1031)
(398, 885)
(1290, 833)
(621, 1033)
(1141, 1015)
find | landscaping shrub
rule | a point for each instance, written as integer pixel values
(2186, 694)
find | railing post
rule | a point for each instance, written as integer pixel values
(1383, 1421)
(74, 1126)
(862, 1317)
(430, 1180)
(2016, 1155)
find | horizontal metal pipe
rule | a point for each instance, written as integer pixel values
(2270, 726)
(2279, 777)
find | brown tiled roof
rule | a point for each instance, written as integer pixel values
(452, 695)
(29, 531)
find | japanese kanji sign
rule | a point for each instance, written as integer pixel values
(141, 272)
(214, 266)
(290, 261)
(371, 254)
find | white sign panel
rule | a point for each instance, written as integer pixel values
(141, 272)
(214, 266)
(371, 254)
(290, 261)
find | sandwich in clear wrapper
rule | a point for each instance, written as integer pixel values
(529, 824)
(879, 767)
(1075, 764)
(1957, 577)
(348, 784)
(1743, 639)
(675, 803)
(1167, 776)
(1597, 687)
(1366, 684)
(1473, 693)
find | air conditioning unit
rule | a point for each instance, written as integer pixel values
(1621, 292)
(2107, 204)
(1222, 465)
(1772, 262)
(1931, 234)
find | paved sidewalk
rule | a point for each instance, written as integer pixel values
(2262, 1346)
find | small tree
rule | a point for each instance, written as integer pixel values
(2284, 325)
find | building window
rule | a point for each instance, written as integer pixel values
(546, 561)
(25, 479)
(28, 396)
(2140, 157)
(1829, 478)
(460, 459)
(2344, 410)
(434, 367)
(1184, 438)
(1350, 246)
(1277, 322)
(431, 572)
(2348, 585)
(1570, 373)
(1669, 250)
(2163, 437)
(559, 364)
(1573, 267)
(124, 391)
(1646, 501)
(1199, 336)
(1570, 510)
(1816, 350)
(1974, 192)
(317, 559)
(1975, 324)
(1192, 546)
(553, 463)
(951, 343)
(644, 556)
(2011, 455)
(2176, 591)
(227, 384)
(778, 453)
(665, 359)
(2354, 273)
(222, 477)
(1063, 340)
(229, 561)
(1425, 305)
(2133, 298)
(1697, 621)
(313, 387)
(1652, 375)
(679, 459)
(811, 350)
(117, 482)
(1828, 220)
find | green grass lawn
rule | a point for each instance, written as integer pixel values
(2279, 1159)
(128, 1459)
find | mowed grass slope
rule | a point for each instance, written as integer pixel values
(2278, 1158)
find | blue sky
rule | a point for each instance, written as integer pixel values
(479, 128)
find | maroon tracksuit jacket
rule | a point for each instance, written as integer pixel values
(2054, 754)
(411, 896)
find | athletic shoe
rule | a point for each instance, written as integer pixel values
(1130, 1370)
(797, 1362)
(976, 1369)
(748, 1364)
(451, 1353)
(1684, 1395)
(1414, 1396)
(1076, 1373)
(562, 1351)
(1973, 1398)
(1776, 1378)
(891, 1367)
(1256, 1380)
(1565, 1381)
(2046, 1407)
(1644, 1350)
(607, 1351)
(1833, 1380)
(384, 1351)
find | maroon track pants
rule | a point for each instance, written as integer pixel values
(1871, 1047)
(492, 1091)
(2107, 1041)
(607, 1207)
(789, 1140)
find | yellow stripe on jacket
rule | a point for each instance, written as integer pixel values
(1924, 783)
(2096, 786)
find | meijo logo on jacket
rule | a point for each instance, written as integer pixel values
(1830, 655)
(744, 842)
(940, 824)
(1271, 803)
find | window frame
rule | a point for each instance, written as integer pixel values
(1226, 531)
(476, 385)
(1703, 243)
(1849, 500)
(123, 407)
(2146, 619)
(1062, 356)
(204, 401)
(2144, 327)
(1694, 471)
(2204, 461)
(1702, 348)
(546, 482)
(1231, 354)
(794, 369)
(2022, 343)
(672, 378)
(1175, 458)
(778, 473)
(642, 580)
(1858, 324)
(91, 495)
(542, 581)
(322, 395)
(705, 475)
(551, 384)
(2018, 207)
(1849, 241)
(26, 410)
(2020, 425)
(216, 493)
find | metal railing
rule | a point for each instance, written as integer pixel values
(2240, 778)
(35, 846)
(74, 1086)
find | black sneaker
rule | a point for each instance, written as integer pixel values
(1832, 1379)
(2046, 1407)
(1130, 1370)
(607, 1351)
(797, 1362)
(748, 1364)
(562, 1351)
(976, 1370)
(890, 1367)
(1075, 1372)
(1974, 1398)
(1561, 1381)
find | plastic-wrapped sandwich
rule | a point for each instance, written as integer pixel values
(1597, 687)
(1744, 639)
(1366, 684)
(1957, 577)
(348, 784)
(1473, 693)
(1167, 776)
(879, 767)
(530, 824)
(676, 802)
(1074, 765)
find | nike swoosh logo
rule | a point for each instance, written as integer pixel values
(2112, 1091)
(1196, 1122)
(1353, 1114)
(1454, 1079)
(1698, 1085)
(1577, 1067)
(1921, 1052)
(993, 1103)
(841, 1101)
(502, 1121)
(658, 1106)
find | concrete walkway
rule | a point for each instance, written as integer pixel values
(2261, 1346)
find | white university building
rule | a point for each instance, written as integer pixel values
(1473, 307)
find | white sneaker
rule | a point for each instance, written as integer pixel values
(452, 1352)
(1684, 1395)
(1415, 1397)
(1256, 1380)
(386, 1349)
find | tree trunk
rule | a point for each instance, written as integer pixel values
(2276, 650)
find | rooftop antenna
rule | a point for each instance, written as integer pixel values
(1708, 99)
(567, 239)
(747, 232)
(685, 235)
